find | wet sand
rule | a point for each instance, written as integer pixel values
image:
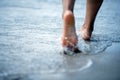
(30, 46)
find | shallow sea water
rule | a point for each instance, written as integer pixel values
(30, 34)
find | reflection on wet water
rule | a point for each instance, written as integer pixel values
(97, 44)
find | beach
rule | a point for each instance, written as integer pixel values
(30, 42)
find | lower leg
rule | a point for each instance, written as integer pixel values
(69, 37)
(92, 9)
(68, 5)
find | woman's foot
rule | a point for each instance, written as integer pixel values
(69, 37)
(86, 32)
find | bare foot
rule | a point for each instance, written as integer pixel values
(86, 32)
(69, 37)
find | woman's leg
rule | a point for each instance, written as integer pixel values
(68, 5)
(92, 8)
(69, 37)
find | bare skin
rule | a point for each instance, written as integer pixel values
(69, 37)
(92, 7)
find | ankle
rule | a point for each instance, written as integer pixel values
(88, 26)
(67, 13)
(68, 18)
